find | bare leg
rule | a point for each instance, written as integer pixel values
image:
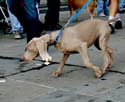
(58, 71)
(113, 8)
(84, 53)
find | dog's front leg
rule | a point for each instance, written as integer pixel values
(84, 53)
(58, 71)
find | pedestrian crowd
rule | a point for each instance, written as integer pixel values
(24, 16)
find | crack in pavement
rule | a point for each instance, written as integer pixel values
(43, 66)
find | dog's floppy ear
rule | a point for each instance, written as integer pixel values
(31, 43)
(42, 47)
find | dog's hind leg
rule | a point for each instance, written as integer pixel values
(57, 73)
(110, 52)
(84, 53)
(106, 57)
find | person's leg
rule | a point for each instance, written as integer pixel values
(34, 26)
(113, 8)
(100, 7)
(122, 3)
(52, 15)
(15, 24)
(16, 27)
(16, 8)
(118, 23)
(121, 6)
(106, 10)
(113, 12)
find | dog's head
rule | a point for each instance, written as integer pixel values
(37, 46)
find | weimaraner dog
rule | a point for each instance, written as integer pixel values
(75, 39)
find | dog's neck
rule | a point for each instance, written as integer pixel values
(50, 38)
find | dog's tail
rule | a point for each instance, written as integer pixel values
(113, 19)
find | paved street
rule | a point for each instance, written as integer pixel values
(32, 82)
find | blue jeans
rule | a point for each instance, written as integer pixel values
(27, 13)
(34, 26)
(102, 6)
(15, 24)
(121, 3)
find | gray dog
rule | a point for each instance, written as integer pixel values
(75, 39)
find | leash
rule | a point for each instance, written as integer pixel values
(71, 20)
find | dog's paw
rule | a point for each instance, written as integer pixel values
(49, 58)
(46, 63)
(56, 74)
(98, 73)
(109, 66)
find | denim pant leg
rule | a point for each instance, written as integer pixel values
(100, 4)
(9, 4)
(106, 9)
(121, 3)
(34, 26)
(15, 24)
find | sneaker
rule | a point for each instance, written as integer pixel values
(102, 15)
(17, 35)
(122, 10)
(118, 24)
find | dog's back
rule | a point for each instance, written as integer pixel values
(91, 27)
(86, 31)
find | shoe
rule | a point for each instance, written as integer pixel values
(122, 10)
(17, 35)
(118, 24)
(112, 29)
(102, 15)
(124, 6)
